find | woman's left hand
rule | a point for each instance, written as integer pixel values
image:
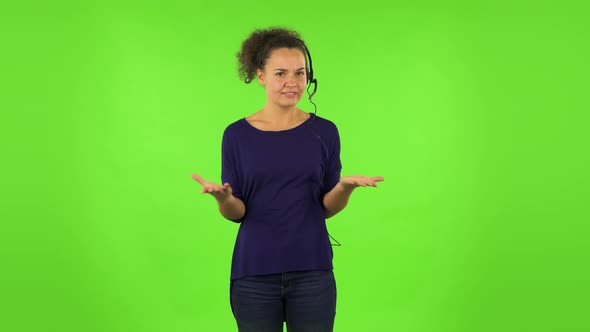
(353, 181)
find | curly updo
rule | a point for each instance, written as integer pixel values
(256, 49)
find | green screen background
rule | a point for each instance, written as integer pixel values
(475, 114)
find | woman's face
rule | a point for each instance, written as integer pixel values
(283, 77)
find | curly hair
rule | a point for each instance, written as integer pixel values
(256, 49)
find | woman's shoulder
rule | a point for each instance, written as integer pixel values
(323, 123)
(236, 125)
(233, 130)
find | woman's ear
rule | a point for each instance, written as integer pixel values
(260, 76)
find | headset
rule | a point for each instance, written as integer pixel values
(312, 80)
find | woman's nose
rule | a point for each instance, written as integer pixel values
(292, 80)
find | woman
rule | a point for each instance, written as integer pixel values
(281, 181)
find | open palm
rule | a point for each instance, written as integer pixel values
(353, 181)
(218, 191)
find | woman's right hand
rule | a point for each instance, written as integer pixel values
(221, 193)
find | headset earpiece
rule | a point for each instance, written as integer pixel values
(309, 71)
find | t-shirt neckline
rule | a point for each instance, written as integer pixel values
(274, 132)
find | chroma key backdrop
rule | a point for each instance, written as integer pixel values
(475, 113)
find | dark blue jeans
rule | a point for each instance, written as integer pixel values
(305, 300)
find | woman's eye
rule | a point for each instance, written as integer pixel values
(298, 74)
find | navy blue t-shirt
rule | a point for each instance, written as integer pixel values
(282, 177)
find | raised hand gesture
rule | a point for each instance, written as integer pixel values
(221, 193)
(353, 181)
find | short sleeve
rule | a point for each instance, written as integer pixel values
(333, 165)
(229, 164)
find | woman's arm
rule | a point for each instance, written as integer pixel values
(232, 208)
(337, 198)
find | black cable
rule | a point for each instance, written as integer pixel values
(326, 147)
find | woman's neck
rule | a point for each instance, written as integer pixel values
(280, 116)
